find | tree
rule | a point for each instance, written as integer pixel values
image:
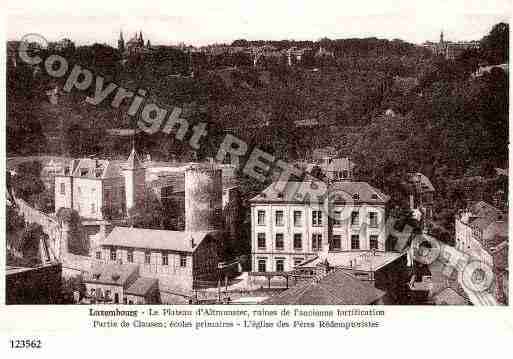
(27, 182)
(496, 44)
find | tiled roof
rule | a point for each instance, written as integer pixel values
(336, 288)
(155, 239)
(110, 273)
(96, 168)
(348, 191)
(141, 286)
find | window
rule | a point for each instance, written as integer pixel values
(130, 256)
(279, 241)
(279, 218)
(355, 241)
(79, 190)
(316, 242)
(280, 265)
(147, 257)
(336, 245)
(355, 218)
(183, 260)
(98, 255)
(261, 218)
(345, 174)
(261, 241)
(112, 254)
(316, 218)
(373, 220)
(63, 188)
(93, 208)
(356, 197)
(165, 259)
(337, 218)
(298, 241)
(261, 265)
(297, 219)
(373, 242)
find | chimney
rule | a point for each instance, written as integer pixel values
(192, 242)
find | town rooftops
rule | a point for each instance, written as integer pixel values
(155, 239)
(335, 288)
(299, 192)
(111, 273)
(141, 286)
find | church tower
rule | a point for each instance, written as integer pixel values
(141, 41)
(441, 37)
(121, 42)
(135, 177)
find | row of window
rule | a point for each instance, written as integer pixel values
(336, 243)
(317, 218)
(279, 264)
(147, 257)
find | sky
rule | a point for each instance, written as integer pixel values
(205, 22)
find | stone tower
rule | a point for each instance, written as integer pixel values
(121, 42)
(135, 176)
(203, 198)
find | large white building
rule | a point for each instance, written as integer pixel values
(288, 228)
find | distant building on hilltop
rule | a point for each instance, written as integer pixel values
(133, 46)
(450, 50)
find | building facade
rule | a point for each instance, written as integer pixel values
(286, 231)
(179, 260)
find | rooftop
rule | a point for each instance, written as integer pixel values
(155, 239)
(344, 191)
(356, 260)
(110, 273)
(141, 286)
(335, 288)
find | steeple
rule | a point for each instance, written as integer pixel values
(441, 37)
(141, 41)
(133, 161)
(121, 42)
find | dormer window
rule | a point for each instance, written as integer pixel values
(356, 197)
(83, 172)
(374, 196)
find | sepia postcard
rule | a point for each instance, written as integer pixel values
(220, 168)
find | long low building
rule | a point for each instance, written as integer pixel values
(179, 260)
